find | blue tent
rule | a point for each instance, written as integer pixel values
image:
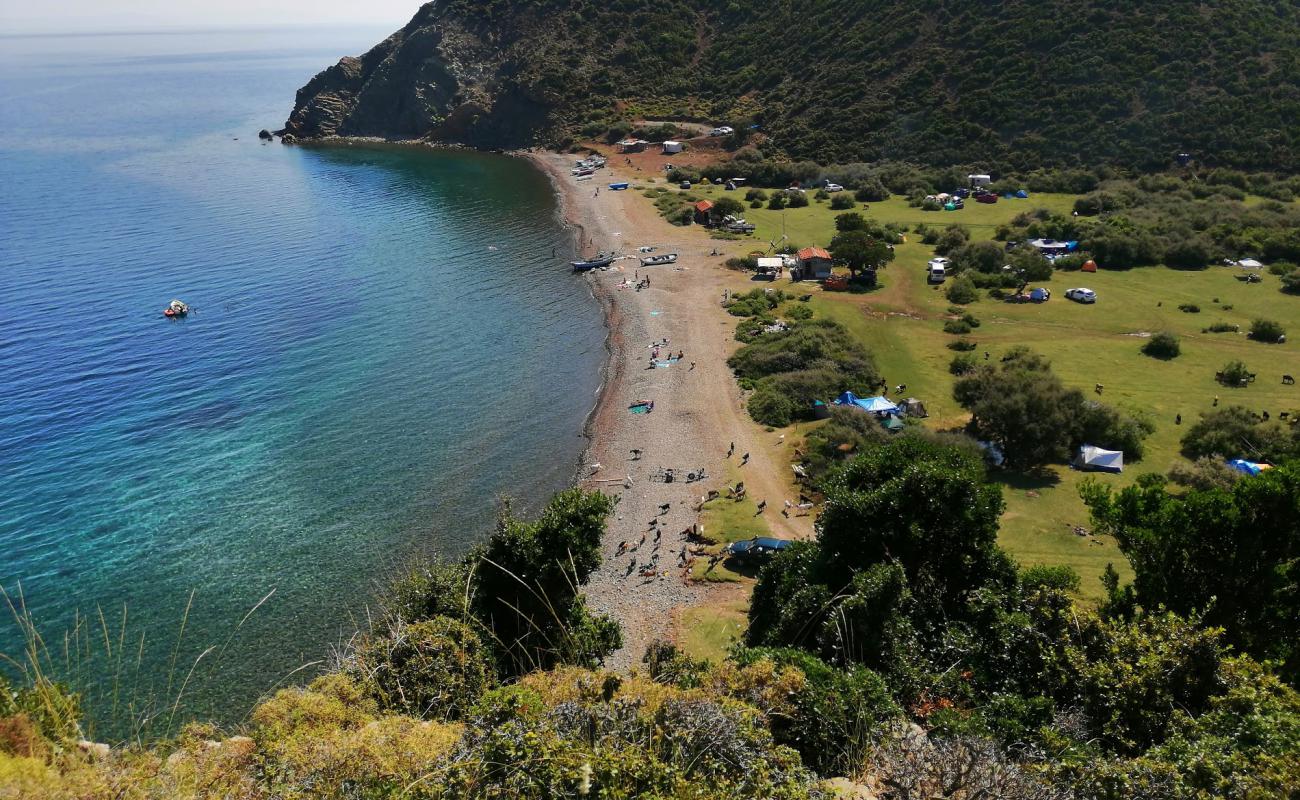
(1248, 467)
(1022, 194)
(1039, 295)
(878, 405)
(1072, 245)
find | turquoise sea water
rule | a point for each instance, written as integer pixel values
(385, 342)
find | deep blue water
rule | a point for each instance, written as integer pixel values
(385, 342)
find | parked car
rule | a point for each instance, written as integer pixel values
(722, 130)
(834, 187)
(1081, 295)
(760, 548)
(986, 197)
(685, 184)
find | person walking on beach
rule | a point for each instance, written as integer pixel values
(692, 365)
(744, 459)
(731, 451)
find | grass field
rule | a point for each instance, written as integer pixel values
(902, 320)
(708, 632)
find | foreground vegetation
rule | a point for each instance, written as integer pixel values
(901, 653)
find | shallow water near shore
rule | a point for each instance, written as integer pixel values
(385, 342)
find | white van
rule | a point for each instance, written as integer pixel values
(937, 270)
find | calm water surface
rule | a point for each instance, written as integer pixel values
(385, 342)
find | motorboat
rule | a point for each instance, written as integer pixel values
(601, 259)
(663, 258)
(176, 308)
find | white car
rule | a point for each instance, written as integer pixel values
(834, 187)
(723, 130)
(1081, 295)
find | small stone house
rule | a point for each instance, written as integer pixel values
(814, 264)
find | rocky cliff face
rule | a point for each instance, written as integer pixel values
(438, 78)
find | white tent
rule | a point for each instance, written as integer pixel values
(1095, 458)
(672, 147)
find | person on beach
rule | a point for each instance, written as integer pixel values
(681, 354)
(744, 459)
(692, 365)
(731, 451)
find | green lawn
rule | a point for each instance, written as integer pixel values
(727, 521)
(815, 223)
(902, 320)
(709, 631)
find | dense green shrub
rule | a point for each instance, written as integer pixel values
(952, 238)
(1236, 432)
(1234, 373)
(1163, 344)
(789, 370)
(961, 290)
(958, 327)
(1291, 282)
(1223, 327)
(963, 364)
(778, 201)
(1267, 330)
(837, 714)
(434, 669)
(841, 201)
(1189, 253)
(1022, 407)
(961, 345)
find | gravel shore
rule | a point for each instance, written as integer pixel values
(697, 410)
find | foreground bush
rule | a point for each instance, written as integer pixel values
(431, 669)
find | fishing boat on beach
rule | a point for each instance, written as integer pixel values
(663, 258)
(601, 259)
(176, 309)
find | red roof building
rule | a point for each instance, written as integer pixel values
(809, 253)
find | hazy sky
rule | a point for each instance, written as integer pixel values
(20, 16)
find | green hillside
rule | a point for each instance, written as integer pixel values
(1010, 85)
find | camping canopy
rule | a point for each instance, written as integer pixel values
(879, 405)
(1248, 467)
(1095, 458)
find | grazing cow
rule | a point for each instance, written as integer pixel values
(1288, 380)
(1099, 388)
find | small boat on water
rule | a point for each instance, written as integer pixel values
(654, 261)
(176, 309)
(601, 259)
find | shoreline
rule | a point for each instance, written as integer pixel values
(700, 410)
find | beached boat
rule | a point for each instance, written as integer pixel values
(654, 261)
(176, 309)
(601, 259)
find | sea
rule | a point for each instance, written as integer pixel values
(385, 344)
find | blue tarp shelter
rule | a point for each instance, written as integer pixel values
(1248, 467)
(1022, 195)
(879, 405)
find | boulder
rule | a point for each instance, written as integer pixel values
(264, 134)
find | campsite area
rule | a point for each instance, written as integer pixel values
(901, 322)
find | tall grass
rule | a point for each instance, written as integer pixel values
(93, 681)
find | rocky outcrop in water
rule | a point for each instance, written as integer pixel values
(439, 78)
